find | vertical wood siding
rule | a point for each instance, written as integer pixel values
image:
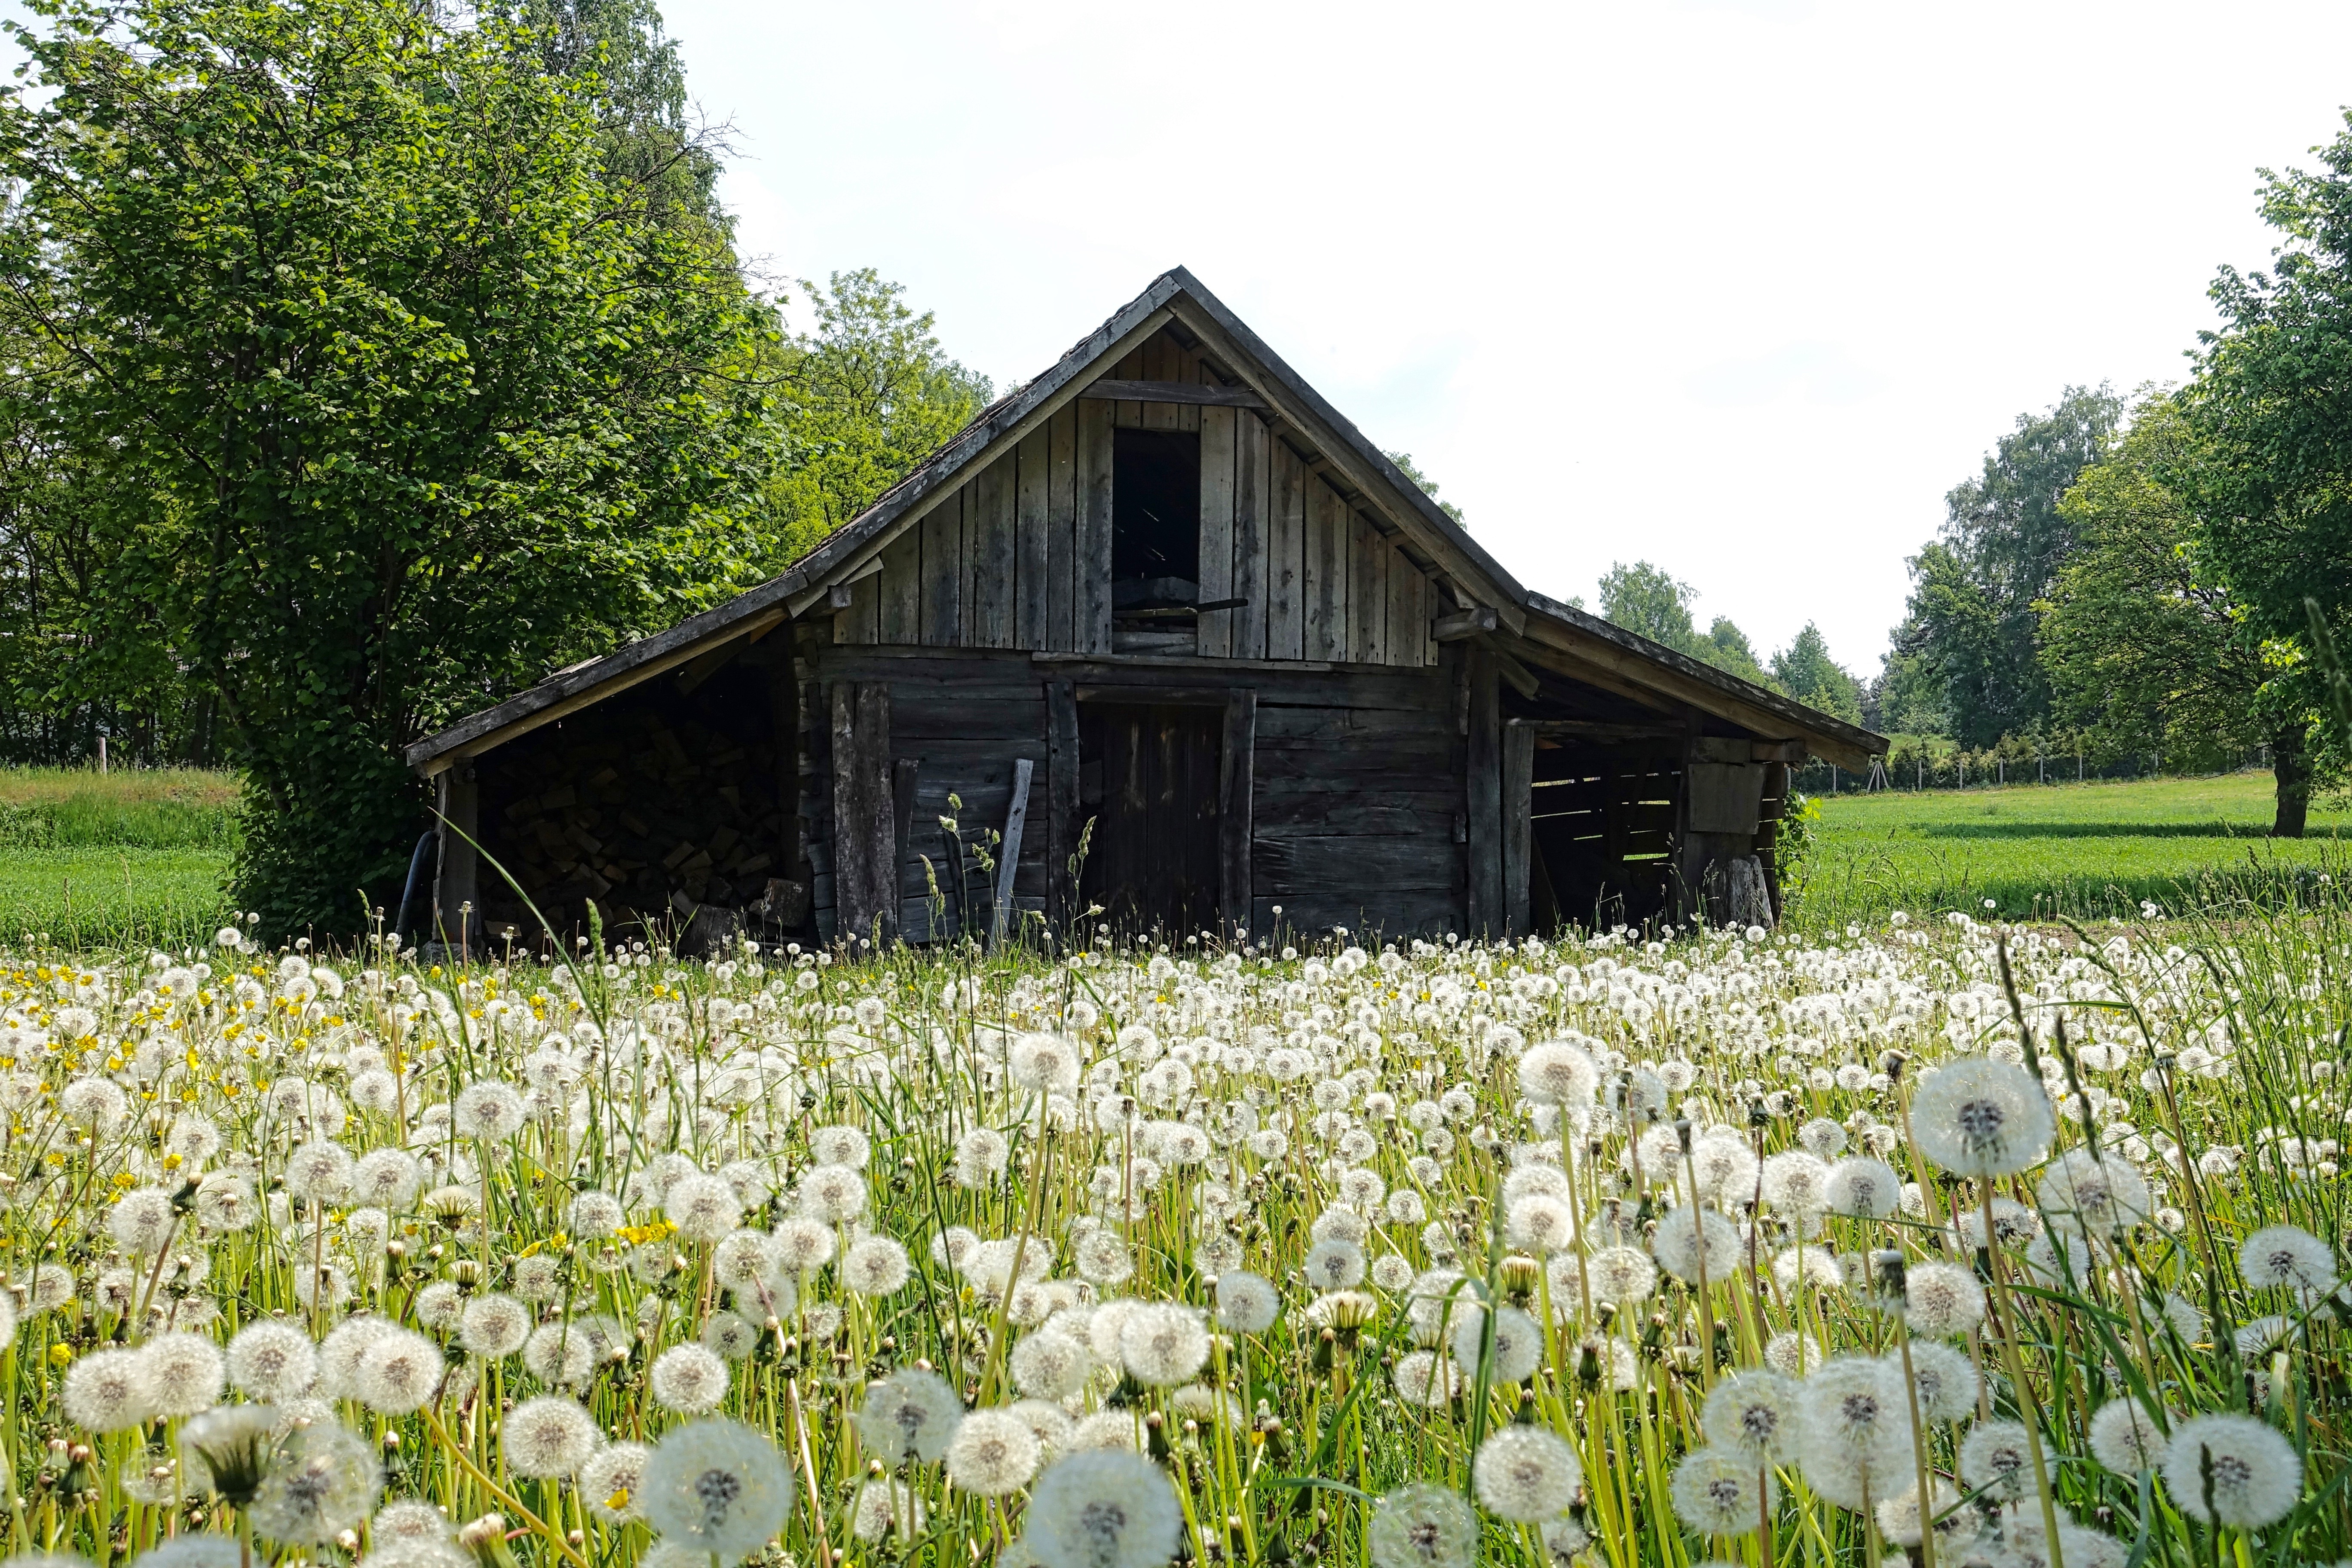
(1019, 555)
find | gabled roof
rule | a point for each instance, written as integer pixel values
(1177, 297)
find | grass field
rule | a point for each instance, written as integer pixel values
(126, 858)
(136, 858)
(2092, 849)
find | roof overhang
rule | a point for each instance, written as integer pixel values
(1546, 630)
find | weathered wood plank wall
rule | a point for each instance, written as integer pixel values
(1019, 555)
(1353, 784)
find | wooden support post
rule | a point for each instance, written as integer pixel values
(904, 773)
(1485, 808)
(1518, 829)
(864, 843)
(1063, 827)
(457, 895)
(1236, 782)
(1008, 862)
(790, 848)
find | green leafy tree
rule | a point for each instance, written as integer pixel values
(397, 400)
(1649, 602)
(1403, 460)
(2140, 639)
(647, 136)
(1971, 622)
(1805, 670)
(2271, 406)
(869, 394)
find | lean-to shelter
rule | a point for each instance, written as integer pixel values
(1162, 636)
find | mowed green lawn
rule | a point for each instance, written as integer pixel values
(124, 859)
(2088, 849)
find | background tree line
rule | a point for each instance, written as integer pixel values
(2129, 578)
(362, 362)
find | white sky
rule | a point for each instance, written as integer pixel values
(1740, 288)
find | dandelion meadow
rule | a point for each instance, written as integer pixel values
(1950, 1244)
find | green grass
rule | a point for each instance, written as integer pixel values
(164, 808)
(2088, 851)
(113, 898)
(115, 859)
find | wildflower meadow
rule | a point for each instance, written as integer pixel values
(1943, 1242)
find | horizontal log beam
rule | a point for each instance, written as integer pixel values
(1109, 391)
(1462, 624)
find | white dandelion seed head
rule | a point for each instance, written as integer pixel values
(1427, 1378)
(611, 1480)
(1525, 1474)
(831, 1194)
(549, 1437)
(1246, 1303)
(1623, 1275)
(1942, 1301)
(273, 1361)
(909, 1413)
(108, 1390)
(840, 1146)
(595, 1214)
(1863, 1187)
(1423, 1525)
(2095, 1193)
(488, 1109)
(1981, 1117)
(876, 1265)
(1691, 1238)
(2125, 1437)
(493, 1326)
(689, 1379)
(183, 1373)
(1719, 1493)
(1163, 1343)
(1050, 1364)
(1104, 1508)
(1944, 1380)
(2290, 1255)
(718, 1486)
(327, 1482)
(1514, 1354)
(992, 1453)
(1558, 1073)
(1753, 1415)
(704, 1207)
(2253, 1473)
(399, 1371)
(143, 1222)
(1996, 1458)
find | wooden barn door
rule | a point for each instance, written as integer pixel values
(1150, 781)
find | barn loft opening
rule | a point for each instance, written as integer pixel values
(1155, 552)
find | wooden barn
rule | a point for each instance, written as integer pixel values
(1160, 634)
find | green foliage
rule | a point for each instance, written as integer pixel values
(870, 395)
(1805, 671)
(2140, 641)
(1403, 460)
(391, 398)
(1645, 600)
(2272, 403)
(1971, 623)
(647, 139)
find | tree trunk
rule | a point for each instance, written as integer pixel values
(2291, 764)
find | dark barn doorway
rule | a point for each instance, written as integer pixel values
(1151, 785)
